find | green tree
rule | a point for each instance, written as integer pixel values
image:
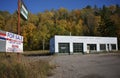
(106, 26)
(45, 35)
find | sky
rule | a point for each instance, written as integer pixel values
(36, 6)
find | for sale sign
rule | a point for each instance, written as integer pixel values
(11, 42)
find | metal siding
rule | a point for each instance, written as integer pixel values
(2, 41)
(52, 45)
(2, 46)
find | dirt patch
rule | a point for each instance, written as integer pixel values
(87, 66)
(92, 76)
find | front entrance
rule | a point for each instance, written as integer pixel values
(77, 47)
(64, 48)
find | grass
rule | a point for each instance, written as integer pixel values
(10, 67)
(37, 53)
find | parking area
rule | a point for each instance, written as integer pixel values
(106, 65)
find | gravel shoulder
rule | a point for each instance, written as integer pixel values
(86, 66)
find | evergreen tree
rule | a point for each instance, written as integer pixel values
(106, 26)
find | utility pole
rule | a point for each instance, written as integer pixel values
(18, 27)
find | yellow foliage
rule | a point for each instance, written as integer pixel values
(27, 31)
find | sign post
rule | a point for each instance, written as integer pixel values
(18, 28)
(22, 10)
(19, 1)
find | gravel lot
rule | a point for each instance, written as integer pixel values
(86, 66)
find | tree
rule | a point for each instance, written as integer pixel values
(107, 28)
(78, 29)
(4, 15)
(11, 23)
(2, 22)
(44, 34)
(88, 17)
(28, 32)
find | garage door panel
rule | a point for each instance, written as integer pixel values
(77, 47)
(64, 48)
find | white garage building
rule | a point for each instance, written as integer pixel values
(76, 44)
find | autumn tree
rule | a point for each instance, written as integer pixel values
(11, 23)
(28, 32)
(4, 15)
(87, 14)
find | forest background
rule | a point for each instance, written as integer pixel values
(40, 27)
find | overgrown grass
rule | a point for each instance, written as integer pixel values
(10, 67)
(36, 53)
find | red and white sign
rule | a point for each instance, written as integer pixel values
(11, 42)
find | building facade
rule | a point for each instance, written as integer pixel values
(77, 44)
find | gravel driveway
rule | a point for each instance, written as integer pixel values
(87, 66)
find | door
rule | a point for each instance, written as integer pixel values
(92, 47)
(77, 47)
(64, 48)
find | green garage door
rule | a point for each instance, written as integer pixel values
(64, 48)
(77, 47)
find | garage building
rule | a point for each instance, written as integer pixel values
(78, 44)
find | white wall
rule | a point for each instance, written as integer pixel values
(85, 40)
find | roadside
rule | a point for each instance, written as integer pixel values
(103, 65)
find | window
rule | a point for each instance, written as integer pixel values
(92, 46)
(113, 46)
(102, 46)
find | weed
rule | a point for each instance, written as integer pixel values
(11, 68)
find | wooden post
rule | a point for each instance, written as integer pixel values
(43, 44)
(18, 28)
